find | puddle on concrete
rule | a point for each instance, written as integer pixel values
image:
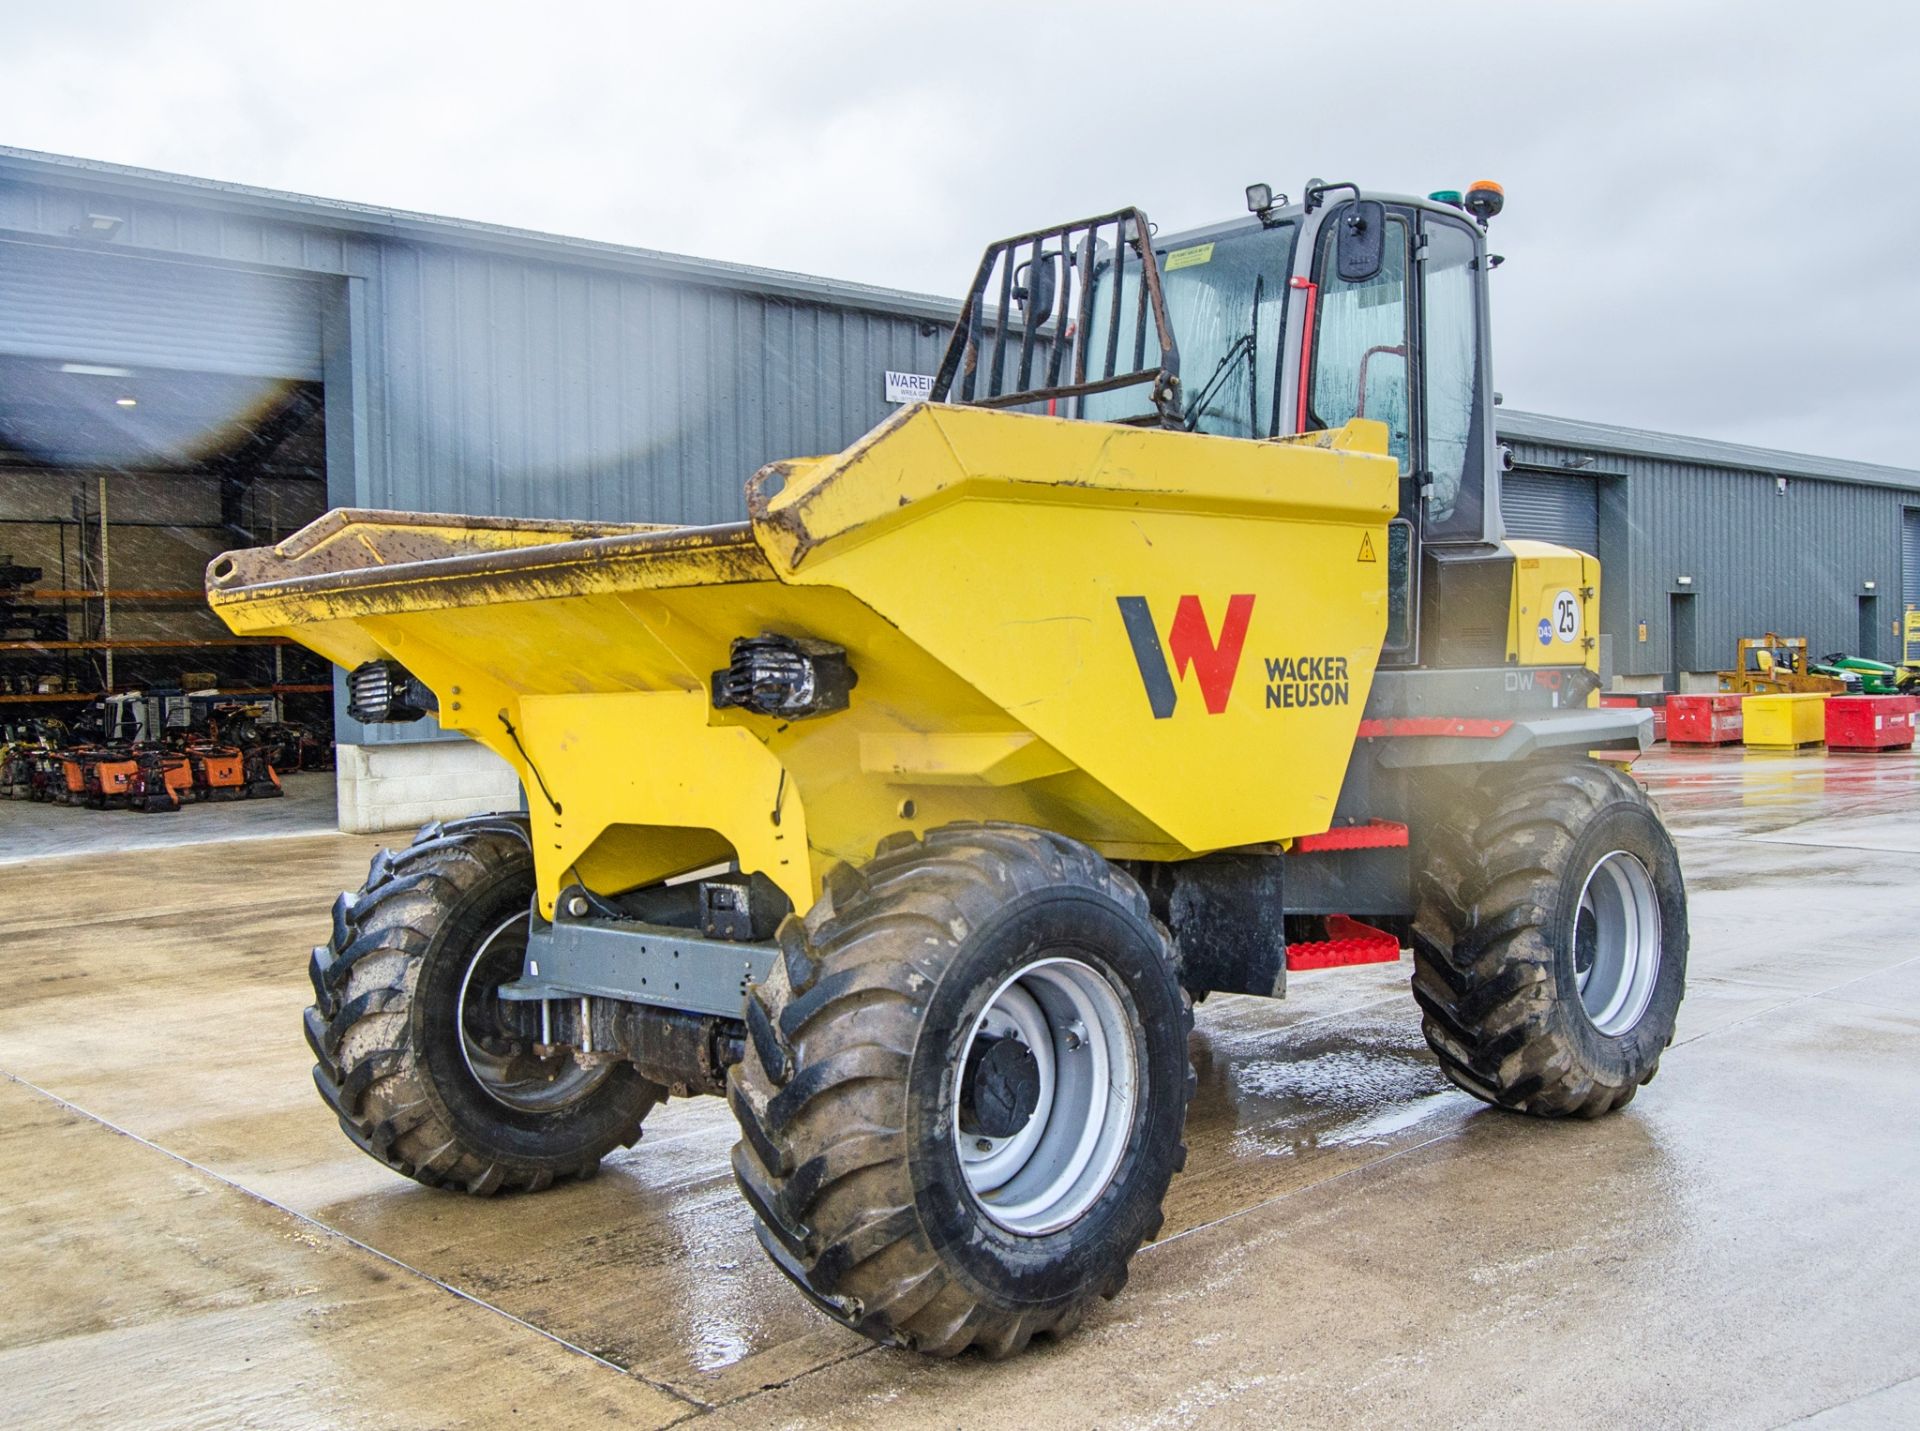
(1359, 1082)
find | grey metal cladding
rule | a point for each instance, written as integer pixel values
(513, 373)
(532, 389)
(88, 305)
(1760, 558)
(52, 194)
(1552, 507)
(1568, 434)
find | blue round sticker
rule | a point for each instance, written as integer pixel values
(1546, 632)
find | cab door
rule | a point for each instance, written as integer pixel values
(1406, 346)
(1362, 365)
(1455, 401)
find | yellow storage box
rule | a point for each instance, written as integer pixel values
(1786, 721)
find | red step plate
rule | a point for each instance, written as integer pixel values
(1352, 943)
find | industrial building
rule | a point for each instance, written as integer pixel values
(187, 366)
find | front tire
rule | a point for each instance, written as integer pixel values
(1550, 947)
(964, 1089)
(407, 1051)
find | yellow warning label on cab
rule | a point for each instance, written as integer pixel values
(1188, 257)
(1366, 547)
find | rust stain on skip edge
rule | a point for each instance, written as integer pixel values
(420, 557)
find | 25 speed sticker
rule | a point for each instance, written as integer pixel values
(1566, 618)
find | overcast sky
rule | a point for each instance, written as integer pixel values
(1712, 207)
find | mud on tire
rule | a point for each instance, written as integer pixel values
(386, 1024)
(846, 1099)
(1511, 939)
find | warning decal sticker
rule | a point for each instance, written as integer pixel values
(1188, 257)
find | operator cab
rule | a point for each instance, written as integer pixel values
(1289, 321)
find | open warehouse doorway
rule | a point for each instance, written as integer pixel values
(153, 414)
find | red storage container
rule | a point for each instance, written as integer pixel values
(1704, 720)
(1655, 701)
(1872, 722)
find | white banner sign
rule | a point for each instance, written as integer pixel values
(909, 387)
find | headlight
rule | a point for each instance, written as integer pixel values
(785, 676)
(382, 691)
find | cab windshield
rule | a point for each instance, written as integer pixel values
(1226, 301)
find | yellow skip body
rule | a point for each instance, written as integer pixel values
(987, 573)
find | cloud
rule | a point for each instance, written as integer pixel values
(1709, 203)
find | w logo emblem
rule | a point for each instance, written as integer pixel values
(1213, 661)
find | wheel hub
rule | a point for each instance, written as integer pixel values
(510, 1073)
(1586, 938)
(1616, 943)
(1000, 1088)
(1047, 1094)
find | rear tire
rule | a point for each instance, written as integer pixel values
(406, 1055)
(911, 1195)
(1550, 946)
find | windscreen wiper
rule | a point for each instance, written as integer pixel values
(1248, 342)
(1243, 344)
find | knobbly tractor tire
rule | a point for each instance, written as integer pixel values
(407, 1051)
(964, 1089)
(1550, 946)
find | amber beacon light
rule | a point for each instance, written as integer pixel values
(1485, 199)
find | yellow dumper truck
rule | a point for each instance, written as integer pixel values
(1173, 645)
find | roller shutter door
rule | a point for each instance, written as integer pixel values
(1563, 510)
(1910, 556)
(80, 306)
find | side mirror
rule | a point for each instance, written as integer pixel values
(1362, 243)
(1036, 283)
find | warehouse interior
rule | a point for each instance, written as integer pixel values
(120, 484)
(152, 416)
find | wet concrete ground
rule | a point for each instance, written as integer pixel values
(186, 1239)
(32, 831)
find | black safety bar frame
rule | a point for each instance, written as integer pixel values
(1070, 251)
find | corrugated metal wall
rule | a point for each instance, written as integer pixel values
(527, 389)
(490, 379)
(1552, 507)
(81, 305)
(1795, 562)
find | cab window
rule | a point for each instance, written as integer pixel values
(1226, 299)
(1360, 344)
(1450, 301)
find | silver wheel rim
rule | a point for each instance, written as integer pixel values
(1616, 943)
(521, 1081)
(1074, 1022)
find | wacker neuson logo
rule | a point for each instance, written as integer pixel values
(1213, 662)
(1293, 682)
